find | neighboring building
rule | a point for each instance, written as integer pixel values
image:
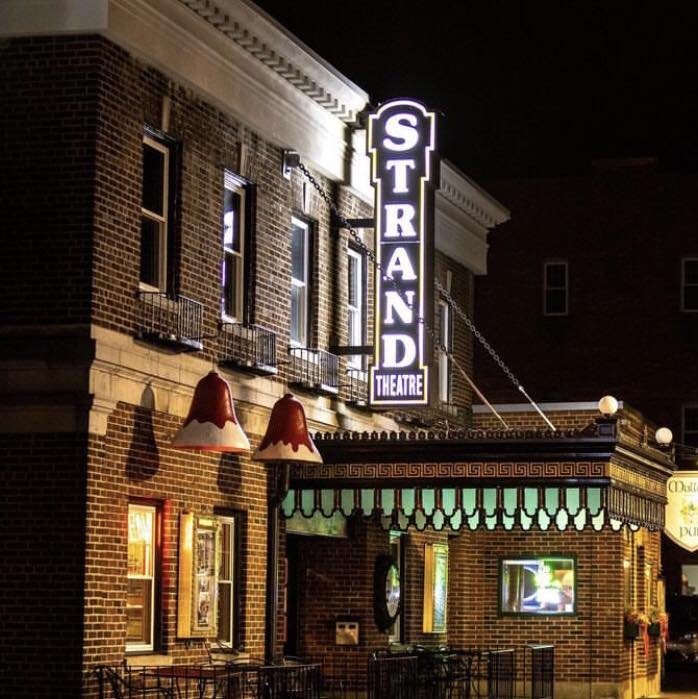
(152, 233)
(591, 290)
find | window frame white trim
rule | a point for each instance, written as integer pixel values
(162, 220)
(138, 506)
(232, 523)
(356, 361)
(682, 289)
(304, 284)
(546, 288)
(236, 184)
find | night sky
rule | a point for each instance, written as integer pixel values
(526, 87)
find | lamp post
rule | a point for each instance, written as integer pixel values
(286, 441)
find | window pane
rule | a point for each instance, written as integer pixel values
(298, 314)
(690, 271)
(230, 284)
(153, 178)
(225, 572)
(353, 291)
(556, 275)
(555, 301)
(690, 419)
(231, 220)
(690, 298)
(138, 611)
(689, 580)
(150, 251)
(225, 621)
(298, 244)
(140, 541)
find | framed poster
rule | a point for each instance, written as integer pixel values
(197, 603)
(435, 588)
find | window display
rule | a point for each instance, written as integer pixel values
(537, 585)
(141, 578)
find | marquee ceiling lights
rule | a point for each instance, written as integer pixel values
(287, 437)
(212, 424)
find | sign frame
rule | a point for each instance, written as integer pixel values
(676, 511)
(401, 144)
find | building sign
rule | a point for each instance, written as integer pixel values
(681, 521)
(401, 143)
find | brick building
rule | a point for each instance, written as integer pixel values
(177, 241)
(588, 267)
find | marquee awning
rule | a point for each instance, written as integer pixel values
(484, 480)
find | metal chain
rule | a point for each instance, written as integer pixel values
(439, 287)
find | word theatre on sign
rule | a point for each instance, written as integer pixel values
(402, 144)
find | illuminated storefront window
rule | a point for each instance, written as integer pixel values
(141, 577)
(537, 586)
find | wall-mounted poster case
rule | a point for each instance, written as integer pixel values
(197, 584)
(435, 588)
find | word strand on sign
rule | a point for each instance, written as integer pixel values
(401, 143)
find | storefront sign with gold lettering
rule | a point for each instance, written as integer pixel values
(681, 524)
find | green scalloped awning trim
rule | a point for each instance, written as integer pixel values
(509, 508)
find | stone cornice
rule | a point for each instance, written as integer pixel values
(228, 52)
(470, 198)
(277, 49)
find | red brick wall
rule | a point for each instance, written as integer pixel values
(588, 645)
(134, 460)
(42, 573)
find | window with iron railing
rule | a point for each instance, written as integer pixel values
(356, 299)
(314, 369)
(175, 320)
(249, 347)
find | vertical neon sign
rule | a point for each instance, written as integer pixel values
(401, 144)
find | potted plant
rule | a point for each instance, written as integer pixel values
(632, 621)
(658, 623)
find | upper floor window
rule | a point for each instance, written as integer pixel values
(446, 341)
(689, 284)
(555, 288)
(689, 423)
(300, 282)
(356, 299)
(140, 603)
(226, 582)
(234, 224)
(155, 213)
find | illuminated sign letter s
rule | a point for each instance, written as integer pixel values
(401, 127)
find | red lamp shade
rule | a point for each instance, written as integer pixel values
(287, 437)
(211, 424)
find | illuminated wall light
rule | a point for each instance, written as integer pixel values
(608, 406)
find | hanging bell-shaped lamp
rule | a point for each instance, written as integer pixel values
(287, 437)
(212, 424)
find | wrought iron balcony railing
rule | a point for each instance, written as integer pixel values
(173, 320)
(249, 347)
(357, 386)
(314, 370)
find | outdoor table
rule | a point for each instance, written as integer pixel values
(210, 682)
